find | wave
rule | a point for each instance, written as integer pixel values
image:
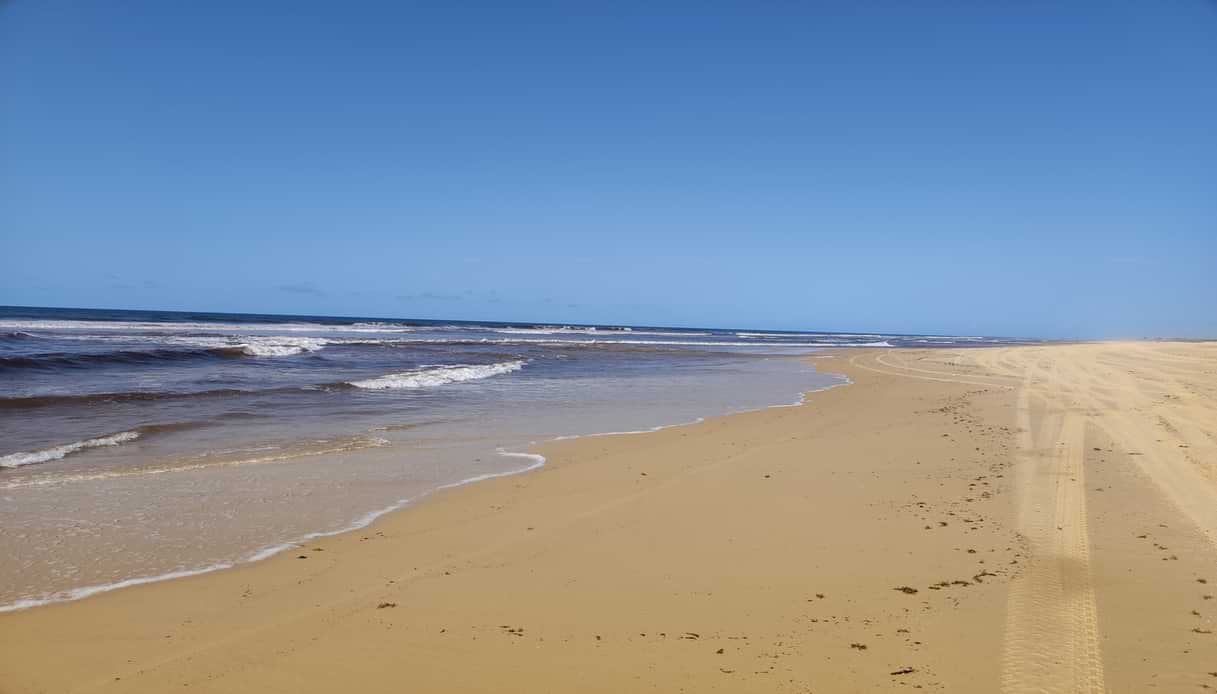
(544, 338)
(281, 346)
(149, 357)
(14, 336)
(15, 460)
(259, 334)
(35, 401)
(417, 378)
(438, 376)
(175, 350)
(948, 339)
(212, 460)
(178, 327)
(541, 331)
(43, 455)
(591, 330)
(253, 346)
(376, 327)
(600, 341)
(164, 327)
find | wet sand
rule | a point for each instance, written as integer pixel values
(1013, 519)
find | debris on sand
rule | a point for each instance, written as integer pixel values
(383, 605)
(903, 671)
(907, 590)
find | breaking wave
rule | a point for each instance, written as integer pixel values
(281, 346)
(14, 460)
(438, 375)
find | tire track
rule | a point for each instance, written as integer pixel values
(854, 360)
(1052, 636)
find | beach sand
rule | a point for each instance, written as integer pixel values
(1015, 519)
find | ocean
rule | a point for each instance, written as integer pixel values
(143, 445)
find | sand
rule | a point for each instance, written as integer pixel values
(1016, 519)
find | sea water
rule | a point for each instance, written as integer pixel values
(137, 445)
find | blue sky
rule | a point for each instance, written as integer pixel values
(1011, 168)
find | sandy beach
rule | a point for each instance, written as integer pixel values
(969, 520)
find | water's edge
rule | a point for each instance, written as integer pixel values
(536, 461)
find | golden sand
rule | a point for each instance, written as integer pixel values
(1016, 519)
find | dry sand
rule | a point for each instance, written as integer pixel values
(1017, 519)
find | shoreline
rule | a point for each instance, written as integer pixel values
(363, 522)
(371, 517)
(879, 537)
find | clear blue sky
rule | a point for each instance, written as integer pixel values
(1013, 168)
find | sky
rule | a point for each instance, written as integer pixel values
(1034, 168)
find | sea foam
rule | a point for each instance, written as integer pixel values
(281, 346)
(438, 375)
(14, 460)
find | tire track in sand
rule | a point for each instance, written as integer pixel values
(944, 377)
(1051, 636)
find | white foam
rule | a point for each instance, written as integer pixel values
(268, 340)
(542, 331)
(252, 345)
(86, 591)
(567, 330)
(281, 346)
(824, 336)
(599, 341)
(438, 375)
(14, 460)
(118, 327)
(375, 327)
(343, 446)
(938, 339)
(111, 326)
